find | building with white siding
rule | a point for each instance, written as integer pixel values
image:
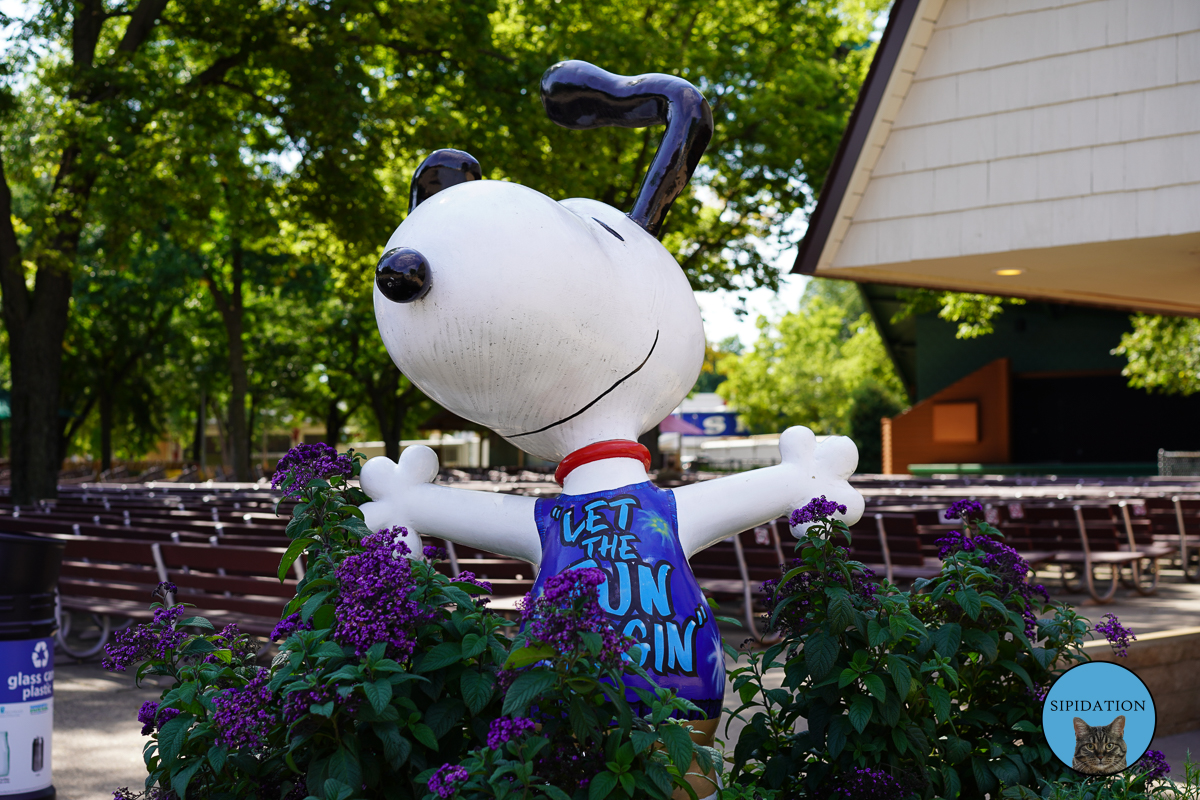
(1040, 149)
(1026, 147)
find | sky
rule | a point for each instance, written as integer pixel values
(718, 308)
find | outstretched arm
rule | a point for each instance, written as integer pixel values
(404, 494)
(712, 510)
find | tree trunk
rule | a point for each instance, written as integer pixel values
(232, 314)
(391, 407)
(334, 420)
(106, 426)
(201, 430)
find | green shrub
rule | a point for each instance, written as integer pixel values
(934, 693)
(392, 679)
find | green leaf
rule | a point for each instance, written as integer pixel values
(849, 675)
(642, 740)
(526, 688)
(947, 639)
(678, 743)
(984, 778)
(216, 757)
(981, 642)
(181, 779)
(968, 600)
(527, 656)
(592, 641)
(379, 694)
(875, 686)
(1026, 726)
(476, 689)
(1044, 657)
(312, 604)
(601, 786)
(553, 792)
(877, 635)
(293, 552)
(1017, 670)
(820, 651)
(841, 610)
(939, 698)
(951, 783)
(172, 736)
(899, 740)
(424, 735)
(860, 711)
(901, 674)
(442, 656)
(323, 617)
(473, 644)
(196, 622)
(957, 749)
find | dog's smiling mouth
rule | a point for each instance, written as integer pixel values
(600, 396)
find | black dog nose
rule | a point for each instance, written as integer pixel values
(402, 275)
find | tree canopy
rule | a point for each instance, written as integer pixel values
(211, 182)
(822, 366)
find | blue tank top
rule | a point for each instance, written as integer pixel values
(632, 534)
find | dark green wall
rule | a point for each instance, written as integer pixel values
(1038, 337)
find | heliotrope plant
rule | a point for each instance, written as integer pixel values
(393, 680)
(931, 693)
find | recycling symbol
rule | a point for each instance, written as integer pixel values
(41, 655)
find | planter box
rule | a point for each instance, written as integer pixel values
(1168, 662)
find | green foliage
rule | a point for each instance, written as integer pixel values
(936, 688)
(1129, 785)
(974, 313)
(806, 369)
(1163, 353)
(331, 722)
(870, 403)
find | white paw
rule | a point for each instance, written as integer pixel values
(822, 470)
(390, 485)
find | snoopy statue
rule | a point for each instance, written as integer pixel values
(569, 330)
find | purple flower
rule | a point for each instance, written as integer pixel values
(434, 553)
(965, 510)
(374, 604)
(243, 716)
(868, 784)
(817, 508)
(155, 639)
(308, 462)
(1117, 634)
(808, 588)
(505, 729)
(954, 542)
(1153, 764)
(289, 625)
(569, 606)
(163, 589)
(297, 705)
(146, 716)
(445, 782)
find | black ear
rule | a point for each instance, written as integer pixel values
(441, 170)
(579, 95)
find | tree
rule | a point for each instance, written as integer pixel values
(973, 313)
(1163, 353)
(806, 368)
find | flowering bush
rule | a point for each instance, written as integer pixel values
(933, 693)
(394, 681)
(569, 730)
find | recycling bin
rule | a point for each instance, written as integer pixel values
(28, 577)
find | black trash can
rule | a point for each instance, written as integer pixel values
(28, 577)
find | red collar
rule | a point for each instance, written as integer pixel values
(613, 448)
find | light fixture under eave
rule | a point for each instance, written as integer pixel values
(1008, 273)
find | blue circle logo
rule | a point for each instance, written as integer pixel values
(1098, 718)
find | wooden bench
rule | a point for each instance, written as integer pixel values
(108, 578)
